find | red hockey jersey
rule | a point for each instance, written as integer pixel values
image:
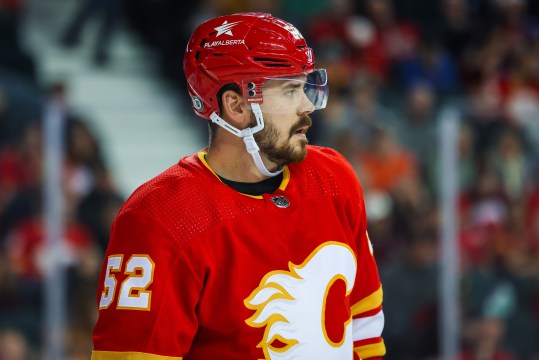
(196, 270)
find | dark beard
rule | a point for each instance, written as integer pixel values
(268, 138)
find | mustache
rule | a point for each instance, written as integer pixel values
(303, 121)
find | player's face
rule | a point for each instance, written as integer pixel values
(284, 137)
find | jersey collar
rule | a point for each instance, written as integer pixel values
(286, 173)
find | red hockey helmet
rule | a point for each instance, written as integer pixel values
(246, 49)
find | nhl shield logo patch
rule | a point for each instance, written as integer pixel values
(280, 201)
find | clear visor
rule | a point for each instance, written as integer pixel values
(297, 94)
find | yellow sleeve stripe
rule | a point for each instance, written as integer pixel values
(127, 355)
(371, 350)
(370, 302)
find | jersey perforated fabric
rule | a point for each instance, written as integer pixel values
(196, 270)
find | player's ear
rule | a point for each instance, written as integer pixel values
(234, 109)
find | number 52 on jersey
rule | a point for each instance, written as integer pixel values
(133, 290)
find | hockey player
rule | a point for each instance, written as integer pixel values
(256, 247)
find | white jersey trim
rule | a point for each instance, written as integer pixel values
(368, 327)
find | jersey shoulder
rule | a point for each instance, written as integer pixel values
(330, 160)
(186, 199)
(329, 171)
(165, 187)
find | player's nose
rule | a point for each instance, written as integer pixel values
(306, 107)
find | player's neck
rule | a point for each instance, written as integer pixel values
(229, 159)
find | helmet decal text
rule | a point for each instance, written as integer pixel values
(223, 43)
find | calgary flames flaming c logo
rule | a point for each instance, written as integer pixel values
(292, 306)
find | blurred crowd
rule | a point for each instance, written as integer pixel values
(394, 68)
(91, 203)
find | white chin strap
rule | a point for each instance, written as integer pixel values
(248, 138)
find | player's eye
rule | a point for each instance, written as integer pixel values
(290, 92)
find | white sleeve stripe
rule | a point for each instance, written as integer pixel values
(368, 327)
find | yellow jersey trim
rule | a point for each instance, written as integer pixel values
(286, 179)
(129, 355)
(284, 183)
(371, 350)
(370, 302)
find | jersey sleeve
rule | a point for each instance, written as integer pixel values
(366, 297)
(367, 313)
(148, 292)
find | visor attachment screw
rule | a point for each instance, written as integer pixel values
(251, 86)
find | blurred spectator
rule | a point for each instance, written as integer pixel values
(521, 264)
(6, 122)
(501, 285)
(22, 250)
(345, 44)
(26, 251)
(482, 65)
(516, 27)
(483, 214)
(21, 166)
(467, 169)
(98, 209)
(484, 113)
(431, 64)
(27, 259)
(84, 162)
(425, 14)
(382, 224)
(165, 26)
(484, 341)
(386, 166)
(512, 164)
(399, 39)
(20, 305)
(467, 159)
(522, 99)
(419, 124)
(12, 55)
(109, 11)
(360, 119)
(457, 29)
(78, 343)
(13, 346)
(410, 300)
(531, 213)
(300, 14)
